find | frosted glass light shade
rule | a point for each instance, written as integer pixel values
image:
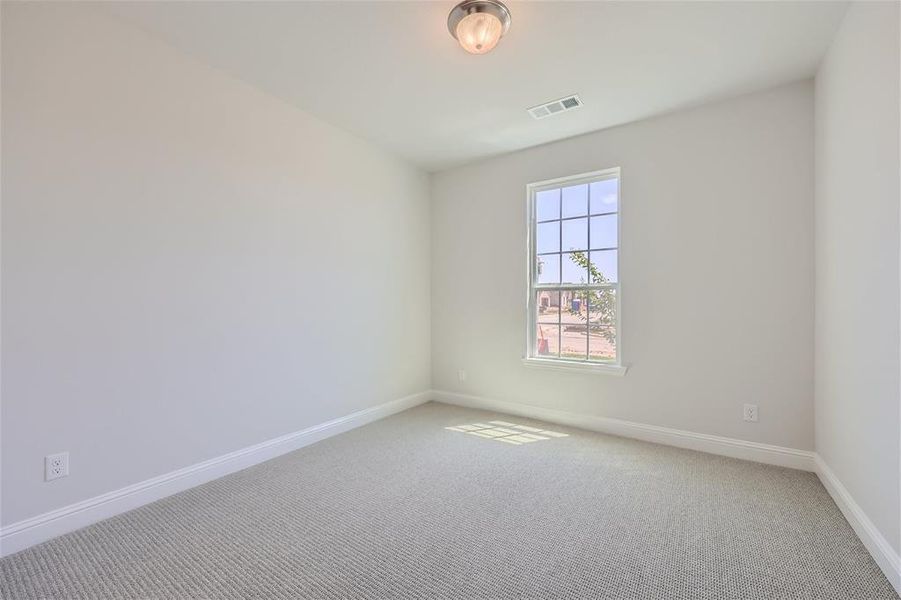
(479, 33)
(478, 25)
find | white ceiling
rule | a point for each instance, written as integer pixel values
(391, 73)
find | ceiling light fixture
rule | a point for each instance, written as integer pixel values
(478, 24)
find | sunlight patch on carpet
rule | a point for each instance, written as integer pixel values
(509, 433)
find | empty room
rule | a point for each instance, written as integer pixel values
(439, 299)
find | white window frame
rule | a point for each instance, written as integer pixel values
(530, 359)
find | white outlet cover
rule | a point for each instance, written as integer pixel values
(56, 466)
(750, 413)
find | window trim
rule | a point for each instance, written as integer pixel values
(567, 364)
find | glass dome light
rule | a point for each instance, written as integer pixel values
(478, 25)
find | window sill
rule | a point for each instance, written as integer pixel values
(578, 367)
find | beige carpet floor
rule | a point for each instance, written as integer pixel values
(405, 508)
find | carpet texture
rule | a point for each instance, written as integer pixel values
(404, 508)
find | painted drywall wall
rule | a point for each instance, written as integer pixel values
(857, 248)
(716, 271)
(189, 265)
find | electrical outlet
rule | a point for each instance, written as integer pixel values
(461, 375)
(56, 466)
(750, 413)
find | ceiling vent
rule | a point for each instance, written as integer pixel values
(555, 106)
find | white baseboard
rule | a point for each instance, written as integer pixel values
(21, 535)
(713, 444)
(883, 553)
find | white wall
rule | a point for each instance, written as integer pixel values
(716, 271)
(189, 266)
(857, 270)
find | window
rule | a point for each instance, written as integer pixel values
(574, 271)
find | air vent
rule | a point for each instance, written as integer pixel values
(556, 106)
